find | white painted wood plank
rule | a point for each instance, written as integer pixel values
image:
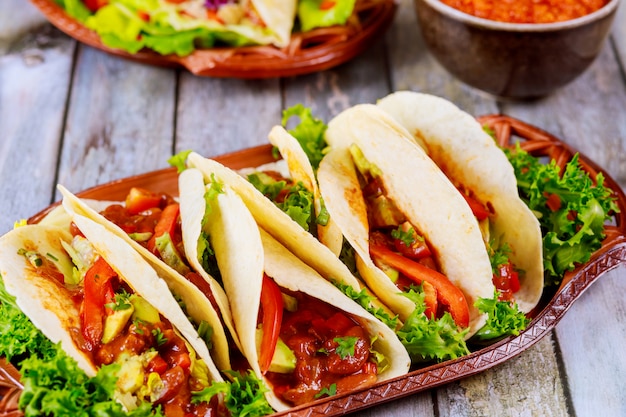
(592, 337)
(35, 66)
(120, 120)
(217, 116)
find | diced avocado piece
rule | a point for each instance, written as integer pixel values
(131, 374)
(392, 273)
(384, 213)
(289, 303)
(365, 167)
(284, 360)
(140, 237)
(170, 255)
(115, 323)
(143, 310)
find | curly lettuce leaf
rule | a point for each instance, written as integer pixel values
(365, 300)
(244, 396)
(324, 13)
(571, 209)
(53, 383)
(504, 318)
(309, 132)
(426, 340)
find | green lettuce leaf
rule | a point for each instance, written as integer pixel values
(573, 230)
(324, 13)
(309, 132)
(428, 340)
(504, 318)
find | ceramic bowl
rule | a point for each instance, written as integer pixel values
(513, 60)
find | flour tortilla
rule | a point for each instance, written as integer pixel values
(245, 252)
(48, 303)
(301, 171)
(279, 15)
(277, 223)
(198, 305)
(420, 191)
(471, 158)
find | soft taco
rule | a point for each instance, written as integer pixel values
(88, 290)
(474, 163)
(289, 233)
(407, 223)
(178, 27)
(290, 319)
(151, 224)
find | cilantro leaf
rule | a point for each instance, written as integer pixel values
(327, 391)
(345, 346)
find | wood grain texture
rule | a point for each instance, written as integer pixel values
(120, 120)
(35, 67)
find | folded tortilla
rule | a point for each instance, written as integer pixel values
(246, 252)
(198, 304)
(48, 300)
(278, 223)
(471, 158)
(301, 171)
(420, 191)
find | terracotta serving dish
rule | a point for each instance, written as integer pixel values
(513, 60)
(550, 310)
(308, 52)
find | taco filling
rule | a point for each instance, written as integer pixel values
(401, 252)
(117, 326)
(309, 348)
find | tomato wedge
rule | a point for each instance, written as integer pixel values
(506, 281)
(140, 199)
(479, 210)
(272, 305)
(97, 284)
(447, 293)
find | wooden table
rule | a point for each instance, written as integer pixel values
(73, 115)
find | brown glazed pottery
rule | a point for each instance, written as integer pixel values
(513, 60)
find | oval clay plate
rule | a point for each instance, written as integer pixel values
(308, 52)
(547, 314)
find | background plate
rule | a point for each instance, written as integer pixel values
(547, 314)
(311, 51)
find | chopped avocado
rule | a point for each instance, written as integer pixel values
(392, 273)
(140, 237)
(384, 213)
(170, 255)
(115, 323)
(289, 303)
(365, 167)
(131, 374)
(143, 310)
(284, 360)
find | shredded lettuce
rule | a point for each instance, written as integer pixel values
(365, 300)
(179, 160)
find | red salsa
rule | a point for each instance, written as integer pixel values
(527, 11)
(332, 352)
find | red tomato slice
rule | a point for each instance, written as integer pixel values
(97, 284)
(447, 293)
(479, 210)
(272, 305)
(139, 199)
(506, 281)
(94, 5)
